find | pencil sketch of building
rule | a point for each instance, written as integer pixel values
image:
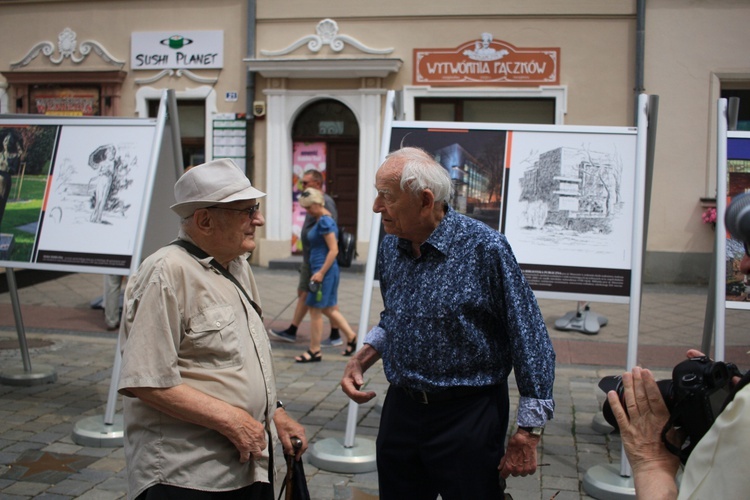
(573, 188)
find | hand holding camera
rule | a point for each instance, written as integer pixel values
(693, 398)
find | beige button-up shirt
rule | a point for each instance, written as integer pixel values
(185, 323)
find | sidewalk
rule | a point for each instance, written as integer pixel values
(38, 457)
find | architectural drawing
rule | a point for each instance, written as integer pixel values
(572, 188)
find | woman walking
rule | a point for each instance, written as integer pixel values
(324, 281)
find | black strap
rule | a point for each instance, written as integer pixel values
(202, 255)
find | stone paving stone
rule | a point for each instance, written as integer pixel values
(27, 488)
(560, 483)
(114, 484)
(100, 494)
(90, 475)
(22, 446)
(59, 447)
(71, 487)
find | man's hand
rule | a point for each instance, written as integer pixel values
(353, 379)
(186, 403)
(520, 456)
(654, 467)
(288, 428)
(246, 434)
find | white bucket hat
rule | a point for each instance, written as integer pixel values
(212, 183)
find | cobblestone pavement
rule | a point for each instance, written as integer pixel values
(40, 459)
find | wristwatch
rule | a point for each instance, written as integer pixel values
(534, 431)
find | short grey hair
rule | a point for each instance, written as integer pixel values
(420, 171)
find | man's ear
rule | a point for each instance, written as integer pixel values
(203, 221)
(427, 200)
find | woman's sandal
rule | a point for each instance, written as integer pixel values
(351, 347)
(311, 357)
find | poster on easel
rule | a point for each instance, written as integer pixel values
(738, 182)
(563, 196)
(75, 191)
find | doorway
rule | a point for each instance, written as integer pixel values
(331, 122)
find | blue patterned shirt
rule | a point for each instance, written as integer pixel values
(462, 314)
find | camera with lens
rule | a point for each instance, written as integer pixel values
(694, 396)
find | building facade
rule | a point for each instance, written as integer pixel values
(287, 86)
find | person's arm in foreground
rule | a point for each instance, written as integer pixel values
(654, 467)
(353, 379)
(186, 403)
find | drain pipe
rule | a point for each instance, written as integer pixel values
(250, 90)
(640, 49)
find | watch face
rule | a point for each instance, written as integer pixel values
(534, 431)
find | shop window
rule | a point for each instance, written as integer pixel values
(504, 110)
(743, 118)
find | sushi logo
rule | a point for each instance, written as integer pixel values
(176, 41)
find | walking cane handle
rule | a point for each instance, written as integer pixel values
(296, 443)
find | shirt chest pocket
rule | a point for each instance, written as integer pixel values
(212, 338)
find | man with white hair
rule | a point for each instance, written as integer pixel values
(458, 317)
(197, 370)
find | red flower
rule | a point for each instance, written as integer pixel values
(709, 216)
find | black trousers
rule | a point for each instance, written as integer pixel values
(256, 491)
(450, 448)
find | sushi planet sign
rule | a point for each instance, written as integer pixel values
(177, 50)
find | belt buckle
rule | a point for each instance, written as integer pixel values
(418, 396)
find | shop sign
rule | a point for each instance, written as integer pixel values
(487, 62)
(65, 101)
(177, 50)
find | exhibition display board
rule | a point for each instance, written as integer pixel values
(75, 191)
(737, 182)
(564, 196)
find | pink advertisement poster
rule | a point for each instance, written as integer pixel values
(305, 156)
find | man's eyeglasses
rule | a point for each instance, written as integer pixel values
(305, 183)
(251, 211)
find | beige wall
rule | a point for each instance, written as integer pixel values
(597, 54)
(111, 23)
(689, 46)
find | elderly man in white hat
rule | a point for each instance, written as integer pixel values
(197, 372)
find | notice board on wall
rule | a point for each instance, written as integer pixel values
(564, 197)
(76, 191)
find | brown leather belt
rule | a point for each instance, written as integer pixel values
(449, 394)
